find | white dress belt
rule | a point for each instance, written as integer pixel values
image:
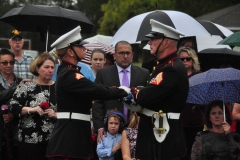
(170, 115)
(71, 115)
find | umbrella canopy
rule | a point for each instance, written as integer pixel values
(99, 39)
(42, 18)
(91, 46)
(135, 29)
(215, 84)
(216, 29)
(202, 42)
(218, 58)
(232, 40)
(46, 19)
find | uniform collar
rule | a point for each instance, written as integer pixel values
(71, 65)
(166, 59)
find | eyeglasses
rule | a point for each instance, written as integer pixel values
(187, 59)
(123, 53)
(5, 63)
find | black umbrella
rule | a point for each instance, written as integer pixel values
(135, 29)
(46, 19)
(218, 58)
(215, 29)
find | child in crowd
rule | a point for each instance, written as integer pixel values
(129, 137)
(111, 143)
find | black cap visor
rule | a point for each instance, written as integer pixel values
(155, 35)
(16, 36)
(79, 42)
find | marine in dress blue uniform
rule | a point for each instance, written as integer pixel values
(167, 91)
(71, 137)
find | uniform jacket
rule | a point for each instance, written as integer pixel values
(75, 93)
(109, 77)
(167, 90)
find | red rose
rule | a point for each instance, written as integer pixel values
(93, 138)
(44, 105)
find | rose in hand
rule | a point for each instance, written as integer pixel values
(45, 105)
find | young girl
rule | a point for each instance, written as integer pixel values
(129, 137)
(111, 143)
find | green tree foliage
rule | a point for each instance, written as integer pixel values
(116, 12)
(109, 15)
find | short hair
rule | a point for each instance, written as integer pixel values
(209, 107)
(38, 62)
(5, 51)
(99, 51)
(192, 53)
(122, 43)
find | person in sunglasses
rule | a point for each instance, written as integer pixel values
(192, 115)
(8, 83)
(160, 133)
(22, 61)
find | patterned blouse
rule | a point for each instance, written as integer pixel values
(32, 127)
(132, 137)
(216, 146)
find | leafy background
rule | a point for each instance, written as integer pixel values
(108, 15)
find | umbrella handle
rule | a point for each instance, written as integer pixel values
(47, 39)
(224, 113)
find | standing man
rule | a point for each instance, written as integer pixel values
(22, 61)
(113, 76)
(167, 90)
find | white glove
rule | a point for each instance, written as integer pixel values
(126, 89)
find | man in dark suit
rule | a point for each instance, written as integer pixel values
(112, 76)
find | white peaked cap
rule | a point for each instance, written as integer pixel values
(160, 30)
(72, 37)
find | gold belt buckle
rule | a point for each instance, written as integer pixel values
(160, 130)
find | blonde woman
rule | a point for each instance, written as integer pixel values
(192, 115)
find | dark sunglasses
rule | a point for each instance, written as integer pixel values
(123, 53)
(6, 63)
(187, 59)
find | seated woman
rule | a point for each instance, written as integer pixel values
(34, 102)
(217, 142)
